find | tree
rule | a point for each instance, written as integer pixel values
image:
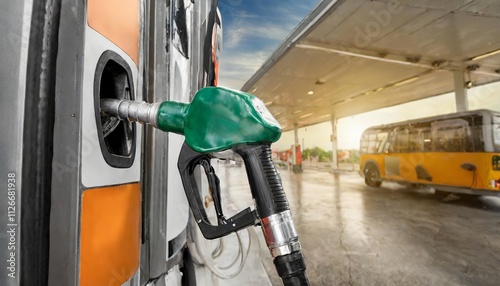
(317, 152)
(306, 153)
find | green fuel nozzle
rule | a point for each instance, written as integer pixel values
(216, 119)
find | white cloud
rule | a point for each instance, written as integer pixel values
(242, 14)
(253, 30)
(292, 13)
(245, 25)
(233, 38)
(230, 83)
(236, 69)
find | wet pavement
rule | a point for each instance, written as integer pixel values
(352, 234)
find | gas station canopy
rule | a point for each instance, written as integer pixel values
(349, 57)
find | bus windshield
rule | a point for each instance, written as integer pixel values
(496, 132)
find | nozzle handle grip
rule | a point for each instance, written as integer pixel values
(264, 180)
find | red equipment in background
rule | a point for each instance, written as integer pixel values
(297, 161)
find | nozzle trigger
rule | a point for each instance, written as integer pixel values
(188, 160)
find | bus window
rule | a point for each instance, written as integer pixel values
(364, 143)
(496, 132)
(401, 144)
(372, 143)
(426, 136)
(415, 142)
(382, 142)
(387, 145)
(451, 139)
(477, 139)
(391, 143)
(450, 135)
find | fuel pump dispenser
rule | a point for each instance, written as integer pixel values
(219, 119)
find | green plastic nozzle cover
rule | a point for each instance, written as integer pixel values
(219, 118)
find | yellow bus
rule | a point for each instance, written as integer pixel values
(453, 153)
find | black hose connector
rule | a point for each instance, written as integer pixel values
(292, 269)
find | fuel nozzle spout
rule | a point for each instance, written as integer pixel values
(135, 111)
(168, 116)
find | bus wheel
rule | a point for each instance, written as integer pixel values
(372, 177)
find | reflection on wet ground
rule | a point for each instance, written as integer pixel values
(352, 234)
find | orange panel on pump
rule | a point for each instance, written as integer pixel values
(117, 20)
(110, 235)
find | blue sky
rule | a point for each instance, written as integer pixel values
(252, 30)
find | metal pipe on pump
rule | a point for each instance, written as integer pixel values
(219, 119)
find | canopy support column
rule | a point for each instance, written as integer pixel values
(295, 144)
(296, 152)
(461, 101)
(334, 143)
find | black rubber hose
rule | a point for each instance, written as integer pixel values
(292, 269)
